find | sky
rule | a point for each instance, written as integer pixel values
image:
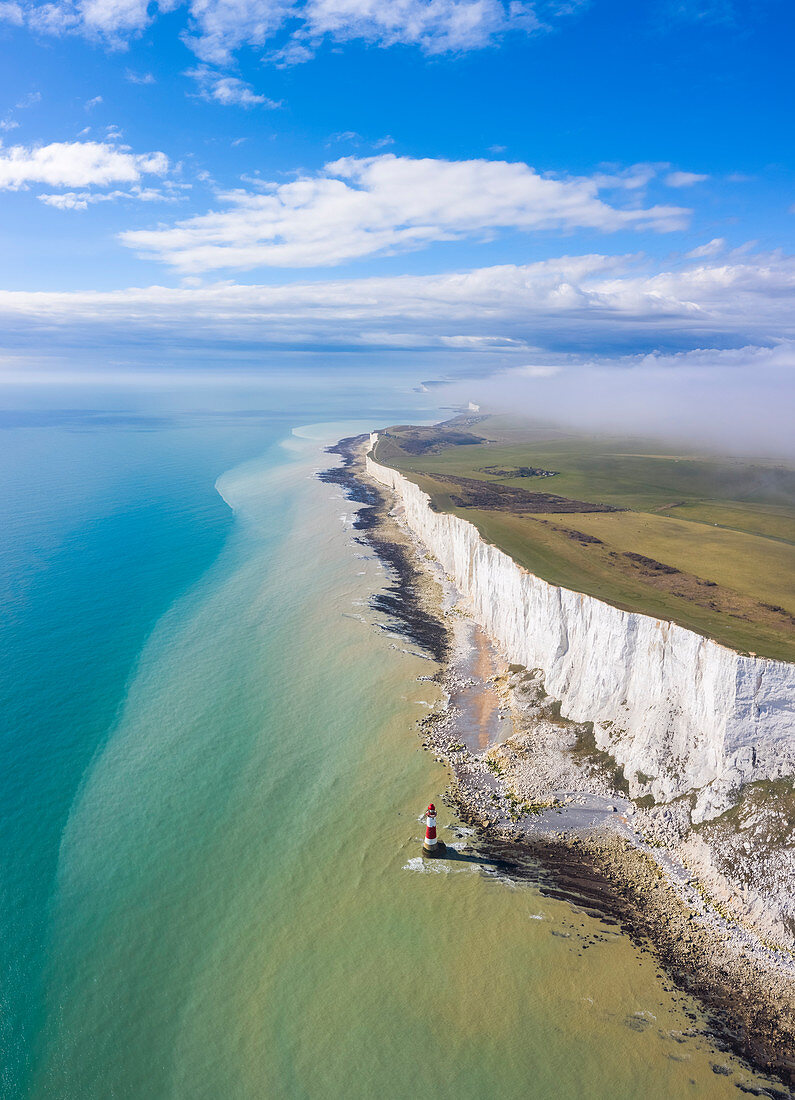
(494, 191)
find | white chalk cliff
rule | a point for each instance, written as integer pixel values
(680, 713)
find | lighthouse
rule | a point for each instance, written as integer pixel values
(431, 846)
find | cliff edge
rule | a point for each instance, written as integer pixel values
(680, 713)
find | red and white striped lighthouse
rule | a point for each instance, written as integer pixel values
(431, 846)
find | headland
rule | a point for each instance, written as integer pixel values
(713, 896)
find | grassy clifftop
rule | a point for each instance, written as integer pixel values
(703, 540)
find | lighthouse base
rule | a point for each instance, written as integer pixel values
(439, 849)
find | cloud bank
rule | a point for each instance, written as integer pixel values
(736, 401)
(593, 302)
(558, 339)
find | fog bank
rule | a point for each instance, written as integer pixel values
(739, 401)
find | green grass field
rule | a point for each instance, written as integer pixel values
(715, 535)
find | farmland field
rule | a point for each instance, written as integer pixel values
(704, 540)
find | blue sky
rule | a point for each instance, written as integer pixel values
(453, 187)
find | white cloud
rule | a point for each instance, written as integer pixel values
(360, 207)
(75, 164)
(684, 179)
(218, 28)
(139, 78)
(711, 248)
(112, 21)
(347, 137)
(633, 178)
(229, 91)
(76, 200)
(92, 103)
(11, 13)
(81, 200)
(352, 137)
(538, 370)
(438, 26)
(8, 124)
(292, 53)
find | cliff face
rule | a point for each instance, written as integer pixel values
(679, 712)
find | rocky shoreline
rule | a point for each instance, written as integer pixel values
(408, 615)
(539, 794)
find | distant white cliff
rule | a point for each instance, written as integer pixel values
(680, 713)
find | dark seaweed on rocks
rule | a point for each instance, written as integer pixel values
(572, 873)
(399, 601)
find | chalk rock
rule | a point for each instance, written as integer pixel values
(718, 796)
(677, 711)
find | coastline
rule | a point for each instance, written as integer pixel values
(405, 600)
(585, 834)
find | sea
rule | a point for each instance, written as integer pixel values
(211, 785)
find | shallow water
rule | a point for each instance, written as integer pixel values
(233, 904)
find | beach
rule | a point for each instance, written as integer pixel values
(532, 786)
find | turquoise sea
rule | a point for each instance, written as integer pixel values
(210, 785)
